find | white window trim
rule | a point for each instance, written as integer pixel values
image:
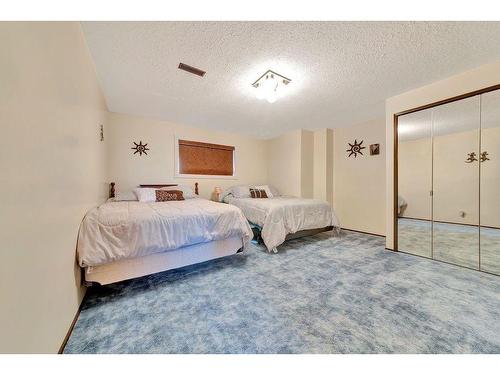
(195, 176)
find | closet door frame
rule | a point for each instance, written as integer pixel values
(396, 150)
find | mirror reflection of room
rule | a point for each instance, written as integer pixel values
(448, 178)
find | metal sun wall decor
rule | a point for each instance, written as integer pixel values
(355, 148)
(140, 148)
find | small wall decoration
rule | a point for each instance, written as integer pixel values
(484, 156)
(375, 149)
(355, 148)
(471, 157)
(140, 148)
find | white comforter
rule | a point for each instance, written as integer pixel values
(120, 230)
(280, 216)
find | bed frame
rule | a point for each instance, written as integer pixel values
(159, 262)
(256, 229)
(154, 186)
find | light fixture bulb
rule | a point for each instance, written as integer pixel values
(260, 93)
(272, 96)
(271, 86)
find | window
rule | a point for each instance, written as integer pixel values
(198, 158)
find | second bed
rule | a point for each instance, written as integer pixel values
(279, 218)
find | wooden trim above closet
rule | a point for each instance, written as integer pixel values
(449, 100)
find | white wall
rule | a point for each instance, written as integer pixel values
(359, 183)
(129, 170)
(307, 164)
(475, 79)
(291, 163)
(53, 171)
(323, 165)
(285, 163)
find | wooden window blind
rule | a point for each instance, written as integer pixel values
(205, 158)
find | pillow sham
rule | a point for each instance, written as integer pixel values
(187, 191)
(274, 191)
(169, 195)
(145, 194)
(125, 196)
(266, 188)
(242, 191)
(258, 193)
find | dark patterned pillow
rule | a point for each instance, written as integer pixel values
(169, 195)
(257, 193)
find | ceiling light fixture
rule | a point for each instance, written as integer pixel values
(270, 86)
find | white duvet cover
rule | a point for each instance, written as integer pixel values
(121, 230)
(280, 216)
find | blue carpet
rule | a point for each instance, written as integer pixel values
(319, 294)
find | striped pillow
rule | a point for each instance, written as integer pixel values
(258, 193)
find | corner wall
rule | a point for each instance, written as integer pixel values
(285, 163)
(290, 163)
(323, 165)
(359, 183)
(53, 171)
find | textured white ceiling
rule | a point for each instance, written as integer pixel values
(341, 72)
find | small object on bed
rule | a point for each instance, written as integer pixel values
(217, 193)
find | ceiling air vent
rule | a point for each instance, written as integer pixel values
(191, 69)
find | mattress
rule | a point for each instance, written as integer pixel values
(123, 230)
(279, 216)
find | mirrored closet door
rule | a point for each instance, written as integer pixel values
(448, 182)
(455, 234)
(415, 183)
(490, 182)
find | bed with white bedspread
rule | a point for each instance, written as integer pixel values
(131, 234)
(280, 216)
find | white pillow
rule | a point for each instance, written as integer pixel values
(145, 194)
(266, 189)
(125, 196)
(224, 194)
(242, 191)
(187, 191)
(274, 191)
